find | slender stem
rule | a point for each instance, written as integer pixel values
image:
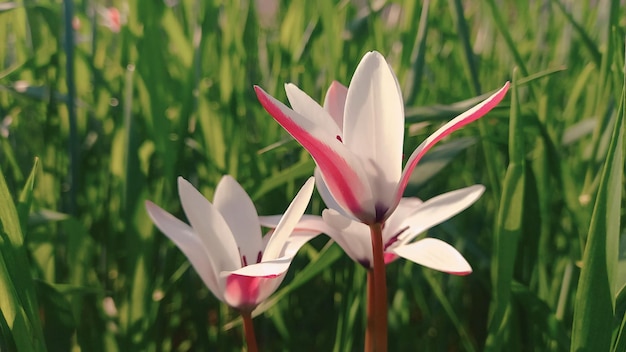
(379, 290)
(248, 327)
(371, 322)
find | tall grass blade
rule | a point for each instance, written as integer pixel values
(508, 228)
(20, 324)
(595, 297)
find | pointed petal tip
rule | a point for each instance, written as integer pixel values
(182, 182)
(260, 93)
(478, 188)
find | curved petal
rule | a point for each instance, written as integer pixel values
(246, 292)
(296, 240)
(439, 209)
(269, 269)
(435, 254)
(309, 108)
(232, 201)
(289, 221)
(342, 170)
(352, 236)
(210, 226)
(270, 221)
(335, 102)
(186, 240)
(307, 222)
(470, 115)
(374, 124)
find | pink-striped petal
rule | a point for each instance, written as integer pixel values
(246, 292)
(341, 169)
(324, 192)
(187, 241)
(335, 102)
(374, 126)
(435, 254)
(465, 118)
(438, 209)
(210, 226)
(289, 221)
(310, 109)
(237, 208)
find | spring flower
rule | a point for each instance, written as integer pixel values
(356, 139)
(224, 243)
(411, 218)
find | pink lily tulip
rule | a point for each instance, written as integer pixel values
(356, 138)
(411, 218)
(224, 242)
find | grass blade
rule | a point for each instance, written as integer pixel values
(593, 323)
(18, 306)
(508, 228)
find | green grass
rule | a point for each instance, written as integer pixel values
(114, 117)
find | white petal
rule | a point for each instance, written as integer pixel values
(335, 102)
(374, 124)
(270, 221)
(237, 208)
(289, 221)
(439, 209)
(296, 240)
(307, 222)
(435, 254)
(187, 241)
(309, 108)
(270, 268)
(210, 226)
(352, 236)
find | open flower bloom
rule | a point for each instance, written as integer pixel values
(411, 218)
(224, 242)
(356, 138)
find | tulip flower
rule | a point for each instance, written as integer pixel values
(225, 246)
(356, 140)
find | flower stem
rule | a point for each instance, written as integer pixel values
(379, 290)
(248, 327)
(371, 322)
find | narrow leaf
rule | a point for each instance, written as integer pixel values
(594, 305)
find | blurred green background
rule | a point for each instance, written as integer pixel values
(117, 98)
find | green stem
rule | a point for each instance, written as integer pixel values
(379, 290)
(248, 328)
